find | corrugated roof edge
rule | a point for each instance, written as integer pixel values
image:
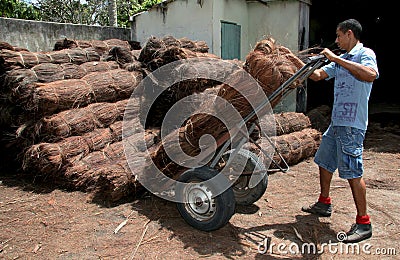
(162, 4)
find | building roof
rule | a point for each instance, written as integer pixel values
(164, 3)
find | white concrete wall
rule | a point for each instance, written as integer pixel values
(186, 18)
(281, 21)
(234, 11)
(181, 19)
(42, 36)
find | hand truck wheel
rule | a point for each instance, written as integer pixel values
(248, 188)
(200, 207)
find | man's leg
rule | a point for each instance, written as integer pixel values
(325, 178)
(323, 206)
(325, 158)
(359, 194)
(363, 228)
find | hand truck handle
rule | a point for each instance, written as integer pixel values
(320, 57)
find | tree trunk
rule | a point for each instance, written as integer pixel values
(112, 13)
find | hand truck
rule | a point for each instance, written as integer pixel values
(202, 206)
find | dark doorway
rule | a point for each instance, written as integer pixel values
(375, 19)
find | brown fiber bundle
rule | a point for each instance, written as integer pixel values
(289, 122)
(50, 157)
(106, 174)
(165, 56)
(25, 59)
(320, 117)
(160, 51)
(294, 147)
(49, 72)
(12, 116)
(285, 123)
(98, 171)
(106, 183)
(121, 55)
(79, 120)
(204, 74)
(134, 65)
(196, 46)
(215, 74)
(116, 151)
(173, 53)
(203, 124)
(155, 44)
(99, 46)
(271, 65)
(109, 86)
(6, 46)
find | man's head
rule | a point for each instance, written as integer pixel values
(348, 34)
(353, 25)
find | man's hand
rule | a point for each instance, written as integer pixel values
(329, 54)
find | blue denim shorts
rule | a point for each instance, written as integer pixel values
(341, 148)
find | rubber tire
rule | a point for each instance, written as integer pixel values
(252, 194)
(225, 202)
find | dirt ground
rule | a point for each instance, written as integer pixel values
(38, 221)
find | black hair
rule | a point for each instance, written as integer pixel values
(353, 25)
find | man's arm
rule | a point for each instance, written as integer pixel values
(358, 70)
(318, 74)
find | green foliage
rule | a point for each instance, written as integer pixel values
(18, 9)
(129, 8)
(144, 5)
(91, 12)
(71, 11)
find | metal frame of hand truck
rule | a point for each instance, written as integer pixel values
(313, 63)
(202, 207)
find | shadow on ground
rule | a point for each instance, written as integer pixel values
(231, 241)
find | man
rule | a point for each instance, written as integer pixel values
(342, 144)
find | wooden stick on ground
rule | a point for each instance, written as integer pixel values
(140, 241)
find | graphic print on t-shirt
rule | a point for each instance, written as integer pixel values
(345, 107)
(345, 111)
